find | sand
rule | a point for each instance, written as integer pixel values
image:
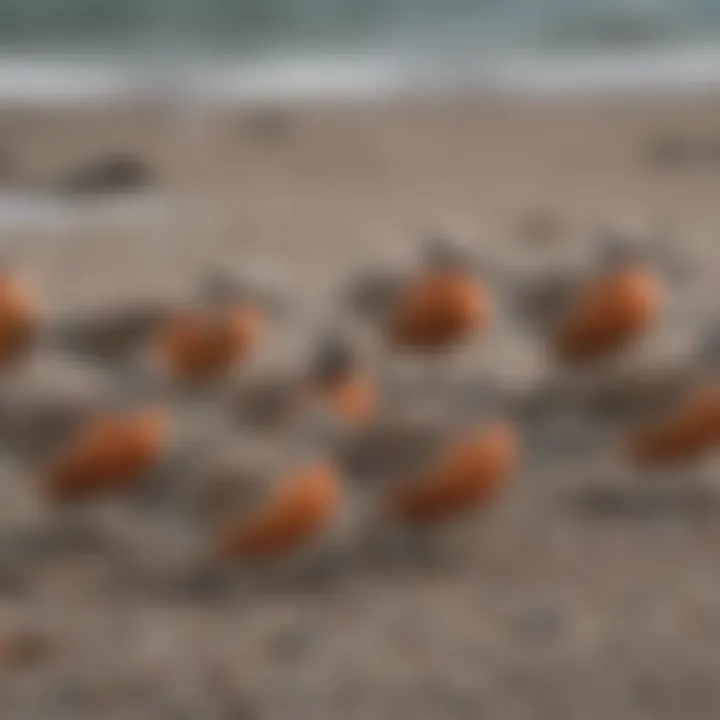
(560, 603)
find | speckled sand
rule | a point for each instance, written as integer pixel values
(562, 604)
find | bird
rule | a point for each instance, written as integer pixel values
(690, 431)
(19, 317)
(302, 506)
(424, 317)
(589, 318)
(687, 429)
(470, 469)
(332, 377)
(193, 343)
(438, 307)
(429, 468)
(109, 454)
(98, 453)
(337, 381)
(613, 310)
(197, 346)
(207, 340)
(294, 501)
(136, 427)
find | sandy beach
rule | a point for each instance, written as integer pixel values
(559, 606)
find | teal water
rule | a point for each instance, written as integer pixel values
(244, 27)
(278, 48)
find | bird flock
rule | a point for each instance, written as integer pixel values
(293, 464)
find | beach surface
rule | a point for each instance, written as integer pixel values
(561, 604)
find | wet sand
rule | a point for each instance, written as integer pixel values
(562, 604)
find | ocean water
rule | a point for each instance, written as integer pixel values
(268, 48)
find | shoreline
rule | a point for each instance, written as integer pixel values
(46, 80)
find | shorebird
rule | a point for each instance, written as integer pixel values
(131, 434)
(193, 343)
(19, 317)
(337, 382)
(687, 429)
(598, 323)
(666, 436)
(283, 503)
(431, 312)
(614, 309)
(431, 468)
(690, 431)
(334, 379)
(88, 450)
(207, 341)
(468, 470)
(302, 506)
(592, 310)
(109, 454)
(439, 306)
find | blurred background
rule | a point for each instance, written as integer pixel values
(299, 143)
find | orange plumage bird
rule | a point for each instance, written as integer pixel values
(19, 317)
(439, 310)
(333, 380)
(109, 454)
(443, 306)
(469, 472)
(303, 506)
(200, 345)
(206, 342)
(688, 432)
(617, 308)
(353, 398)
(436, 308)
(337, 382)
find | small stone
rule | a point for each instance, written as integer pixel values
(20, 647)
(109, 173)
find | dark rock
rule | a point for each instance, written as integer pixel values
(602, 502)
(268, 402)
(670, 151)
(112, 173)
(112, 334)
